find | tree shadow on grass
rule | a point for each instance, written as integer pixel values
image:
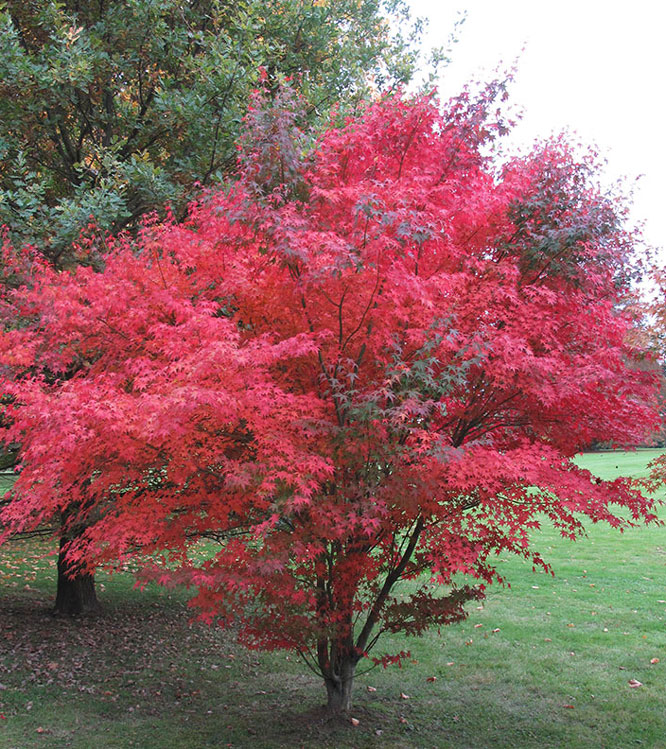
(145, 666)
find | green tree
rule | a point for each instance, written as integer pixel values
(112, 109)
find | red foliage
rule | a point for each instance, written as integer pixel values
(386, 377)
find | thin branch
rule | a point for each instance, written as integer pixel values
(390, 581)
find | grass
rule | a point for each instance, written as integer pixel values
(544, 663)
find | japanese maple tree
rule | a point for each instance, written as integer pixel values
(373, 371)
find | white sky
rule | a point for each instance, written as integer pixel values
(594, 67)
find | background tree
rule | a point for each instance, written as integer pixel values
(365, 384)
(109, 110)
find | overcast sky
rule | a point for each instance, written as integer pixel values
(594, 67)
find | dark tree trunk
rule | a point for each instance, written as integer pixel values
(337, 656)
(76, 588)
(339, 693)
(339, 684)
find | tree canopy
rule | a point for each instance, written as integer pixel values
(375, 372)
(109, 110)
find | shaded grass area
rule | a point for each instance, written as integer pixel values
(544, 663)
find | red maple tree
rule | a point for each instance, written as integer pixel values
(375, 372)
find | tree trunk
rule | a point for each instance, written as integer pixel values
(76, 589)
(339, 687)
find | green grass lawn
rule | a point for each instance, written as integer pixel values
(544, 663)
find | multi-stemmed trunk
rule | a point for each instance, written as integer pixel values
(339, 684)
(338, 656)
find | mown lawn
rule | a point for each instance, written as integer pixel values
(544, 663)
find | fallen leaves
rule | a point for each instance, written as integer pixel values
(354, 721)
(82, 656)
(404, 696)
(633, 683)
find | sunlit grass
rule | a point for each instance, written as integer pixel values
(544, 663)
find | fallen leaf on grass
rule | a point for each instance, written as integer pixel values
(569, 707)
(431, 678)
(354, 721)
(476, 626)
(497, 629)
(371, 689)
(402, 719)
(404, 696)
(450, 663)
(633, 683)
